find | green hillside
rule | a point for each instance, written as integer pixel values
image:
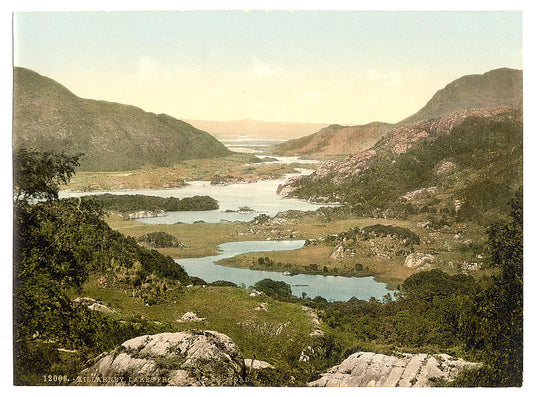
(47, 116)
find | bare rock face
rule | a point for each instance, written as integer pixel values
(190, 358)
(365, 369)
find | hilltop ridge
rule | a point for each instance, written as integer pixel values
(496, 88)
(113, 136)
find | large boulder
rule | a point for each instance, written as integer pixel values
(365, 369)
(189, 358)
(419, 260)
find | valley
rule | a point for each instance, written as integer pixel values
(388, 238)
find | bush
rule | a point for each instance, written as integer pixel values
(160, 240)
(223, 283)
(274, 288)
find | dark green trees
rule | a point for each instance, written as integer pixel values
(492, 325)
(57, 245)
(37, 175)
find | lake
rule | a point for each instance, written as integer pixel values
(332, 288)
(260, 196)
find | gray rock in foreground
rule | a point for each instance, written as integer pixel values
(364, 369)
(190, 358)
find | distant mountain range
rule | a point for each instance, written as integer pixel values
(256, 129)
(113, 136)
(499, 87)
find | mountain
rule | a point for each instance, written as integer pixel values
(113, 136)
(231, 130)
(466, 162)
(499, 87)
(336, 139)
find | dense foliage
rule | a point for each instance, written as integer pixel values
(273, 288)
(58, 244)
(437, 311)
(38, 174)
(486, 155)
(160, 240)
(139, 202)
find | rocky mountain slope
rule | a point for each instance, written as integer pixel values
(336, 139)
(189, 358)
(465, 161)
(47, 116)
(468, 159)
(365, 369)
(497, 88)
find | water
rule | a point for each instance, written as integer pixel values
(332, 288)
(260, 196)
(263, 199)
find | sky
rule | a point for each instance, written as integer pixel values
(345, 67)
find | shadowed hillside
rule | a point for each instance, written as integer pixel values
(47, 116)
(499, 87)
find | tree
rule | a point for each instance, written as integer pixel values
(492, 325)
(273, 288)
(37, 175)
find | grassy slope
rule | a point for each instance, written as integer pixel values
(112, 136)
(268, 335)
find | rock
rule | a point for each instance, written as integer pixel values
(365, 369)
(419, 260)
(256, 364)
(190, 316)
(147, 214)
(84, 300)
(424, 192)
(305, 354)
(98, 307)
(444, 167)
(191, 358)
(338, 254)
(262, 306)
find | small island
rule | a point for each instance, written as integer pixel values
(135, 206)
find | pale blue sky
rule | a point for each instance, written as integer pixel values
(343, 67)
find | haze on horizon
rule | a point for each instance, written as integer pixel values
(346, 67)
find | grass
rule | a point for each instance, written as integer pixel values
(446, 245)
(274, 335)
(233, 166)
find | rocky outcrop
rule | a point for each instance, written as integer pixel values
(147, 214)
(365, 369)
(419, 260)
(191, 358)
(252, 364)
(338, 254)
(190, 317)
